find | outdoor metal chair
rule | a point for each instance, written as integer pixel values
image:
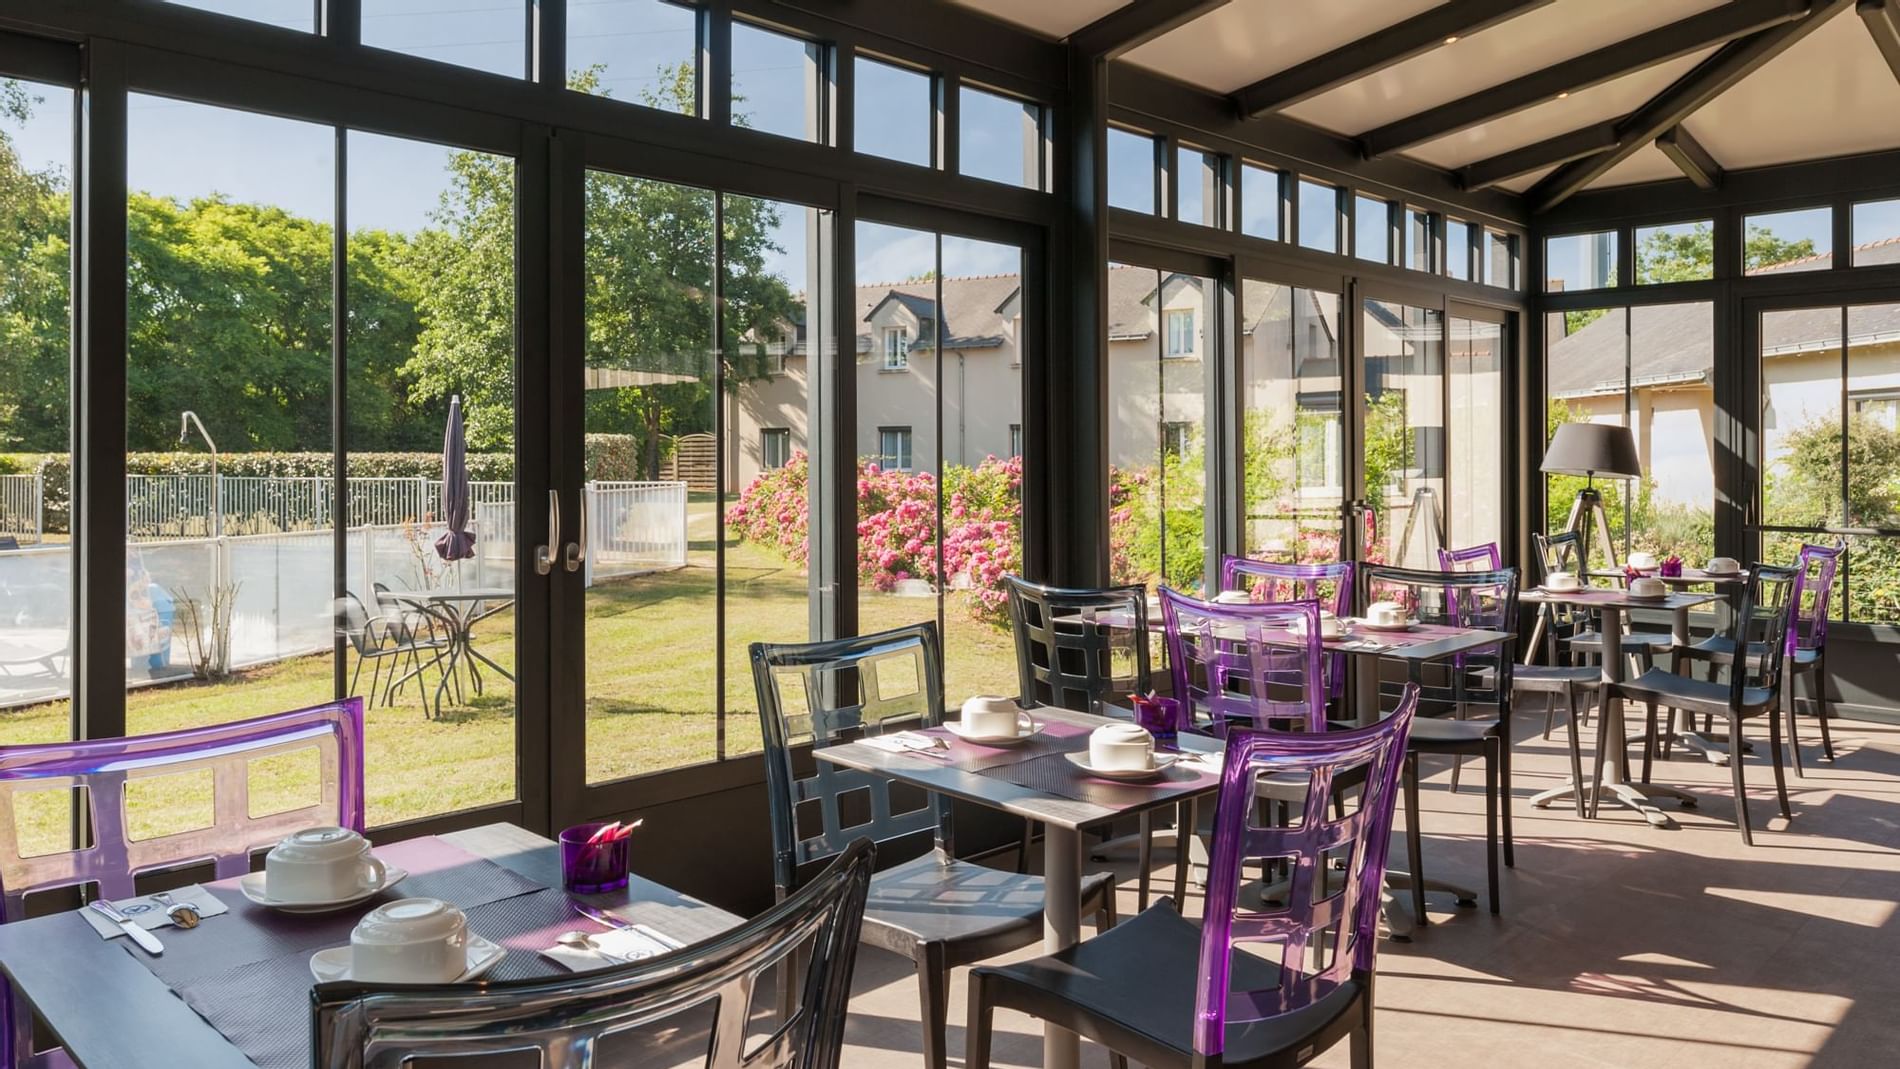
(569, 1019)
(377, 639)
(1761, 625)
(1270, 986)
(1478, 681)
(105, 768)
(936, 910)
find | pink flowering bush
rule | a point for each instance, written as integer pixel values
(774, 511)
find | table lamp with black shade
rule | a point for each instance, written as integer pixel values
(1590, 450)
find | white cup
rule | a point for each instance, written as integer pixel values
(991, 716)
(1233, 597)
(410, 941)
(1723, 566)
(1648, 587)
(1330, 626)
(321, 864)
(1562, 581)
(1642, 561)
(1118, 747)
(1385, 613)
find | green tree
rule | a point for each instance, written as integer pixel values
(35, 309)
(1679, 256)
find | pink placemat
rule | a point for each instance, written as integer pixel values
(1054, 738)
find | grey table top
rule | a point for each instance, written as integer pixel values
(1689, 576)
(110, 1011)
(988, 787)
(1422, 642)
(1605, 598)
(478, 594)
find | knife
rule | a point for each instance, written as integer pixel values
(146, 940)
(614, 920)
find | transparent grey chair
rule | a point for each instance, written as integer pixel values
(362, 1026)
(933, 909)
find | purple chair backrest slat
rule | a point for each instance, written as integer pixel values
(1813, 585)
(1484, 558)
(1224, 665)
(1329, 584)
(1329, 926)
(105, 768)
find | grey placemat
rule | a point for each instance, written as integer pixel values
(1055, 738)
(1053, 774)
(251, 933)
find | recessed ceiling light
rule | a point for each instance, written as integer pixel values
(1452, 40)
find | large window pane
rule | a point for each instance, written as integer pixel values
(653, 478)
(1457, 248)
(1319, 216)
(1294, 482)
(1500, 259)
(1131, 171)
(999, 138)
(1475, 388)
(290, 14)
(1159, 360)
(1261, 205)
(1586, 374)
(1372, 229)
(1802, 470)
(1672, 417)
(1876, 232)
(774, 82)
(1419, 254)
(1873, 416)
(488, 35)
(1197, 179)
(36, 635)
(1778, 242)
(895, 116)
(642, 51)
(1676, 252)
(431, 290)
(1404, 445)
(1580, 262)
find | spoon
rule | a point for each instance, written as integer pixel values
(584, 941)
(182, 914)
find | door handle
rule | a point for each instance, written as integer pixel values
(544, 553)
(577, 551)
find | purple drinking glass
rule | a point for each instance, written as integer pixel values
(590, 868)
(1160, 717)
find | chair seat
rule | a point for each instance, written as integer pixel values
(1698, 695)
(1656, 641)
(1134, 987)
(983, 911)
(1442, 734)
(1554, 678)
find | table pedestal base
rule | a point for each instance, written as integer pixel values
(1637, 796)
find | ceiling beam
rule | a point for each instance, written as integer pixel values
(1681, 38)
(1695, 162)
(1136, 24)
(1882, 18)
(1709, 79)
(1434, 28)
(1574, 145)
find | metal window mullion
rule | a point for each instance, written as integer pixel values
(339, 402)
(946, 151)
(936, 348)
(340, 21)
(547, 43)
(1847, 517)
(715, 68)
(719, 474)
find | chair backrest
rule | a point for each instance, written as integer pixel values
(1234, 663)
(836, 691)
(1066, 656)
(1764, 620)
(106, 769)
(1329, 584)
(352, 622)
(1328, 928)
(1486, 600)
(1561, 552)
(361, 1026)
(1484, 558)
(1813, 587)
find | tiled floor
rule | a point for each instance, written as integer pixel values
(1619, 944)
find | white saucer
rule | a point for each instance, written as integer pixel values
(1561, 589)
(1633, 596)
(955, 727)
(334, 963)
(1162, 761)
(253, 887)
(1370, 626)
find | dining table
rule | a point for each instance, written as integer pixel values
(1611, 605)
(234, 991)
(1036, 780)
(459, 610)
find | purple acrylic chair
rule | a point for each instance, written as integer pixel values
(1232, 664)
(1484, 558)
(1807, 640)
(104, 767)
(1329, 584)
(1167, 993)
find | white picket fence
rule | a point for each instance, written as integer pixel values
(22, 507)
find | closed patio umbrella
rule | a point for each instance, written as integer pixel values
(458, 542)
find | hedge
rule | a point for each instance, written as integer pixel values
(608, 456)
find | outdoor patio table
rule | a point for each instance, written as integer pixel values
(1035, 780)
(461, 610)
(1724, 583)
(1611, 604)
(235, 991)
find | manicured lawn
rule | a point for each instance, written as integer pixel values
(651, 681)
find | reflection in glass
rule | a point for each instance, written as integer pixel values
(1586, 376)
(1475, 385)
(1500, 259)
(1197, 181)
(1873, 416)
(774, 82)
(1131, 171)
(1676, 252)
(641, 51)
(1404, 443)
(1294, 485)
(1319, 216)
(999, 138)
(1457, 248)
(1580, 262)
(1372, 229)
(1260, 202)
(1801, 417)
(1672, 418)
(894, 115)
(1785, 242)
(1418, 240)
(1157, 426)
(488, 35)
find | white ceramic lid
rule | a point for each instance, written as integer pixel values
(1233, 597)
(1723, 564)
(990, 703)
(408, 920)
(1560, 580)
(328, 843)
(1121, 735)
(1648, 587)
(1384, 608)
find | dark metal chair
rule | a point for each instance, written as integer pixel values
(564, 1018)
(1067, 656)
(383, 638)
(1761, 625)
(1477, 681)
(1170, 994)
(936, 910)
(1564, 552)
